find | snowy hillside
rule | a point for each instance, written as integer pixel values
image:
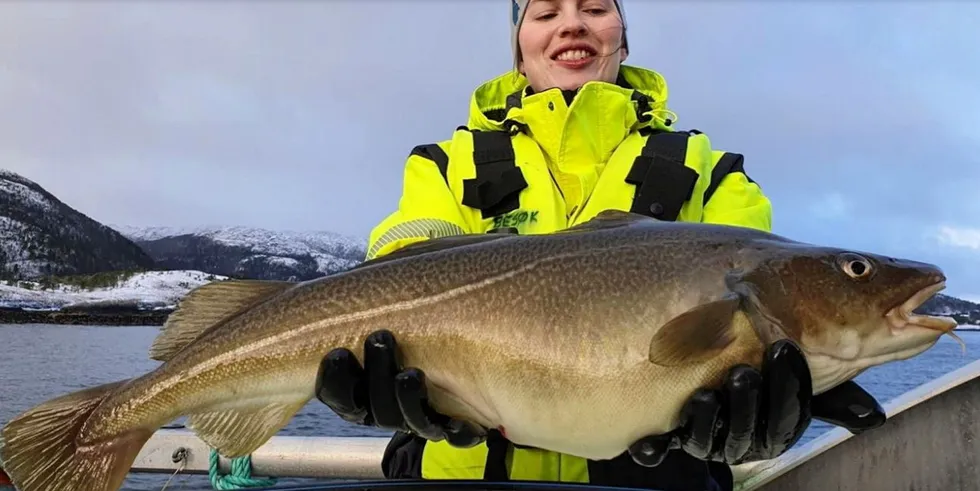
(249, 252)
(965, 312)
(40, 235)
(152, 289)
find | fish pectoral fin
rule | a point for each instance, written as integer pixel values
(238, 432)
(696, 335)
(205, 307)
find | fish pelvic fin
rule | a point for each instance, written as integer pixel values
(696, 335)
(41, 450)
(238, 432)
(207, 306)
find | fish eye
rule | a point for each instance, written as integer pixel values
(855, 265)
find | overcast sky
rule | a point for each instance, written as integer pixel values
(860, 119)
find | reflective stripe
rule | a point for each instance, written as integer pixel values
(540, 465)
(422, 228)
(443, 461)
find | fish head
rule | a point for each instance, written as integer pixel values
(847, 310)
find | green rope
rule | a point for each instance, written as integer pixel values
(240, 476)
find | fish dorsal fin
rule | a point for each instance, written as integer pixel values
(434, 245)
(610, 219)
(607, 219)
(603, 220)
(206, 306)
(696, 335)
(238, 432)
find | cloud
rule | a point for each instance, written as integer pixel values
(960, 237)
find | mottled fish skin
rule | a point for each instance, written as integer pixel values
(468, 323)
(580, 342)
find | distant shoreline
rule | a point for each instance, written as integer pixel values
(88, 317)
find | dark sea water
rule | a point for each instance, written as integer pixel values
(38, 362)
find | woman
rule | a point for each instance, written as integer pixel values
(570, 133)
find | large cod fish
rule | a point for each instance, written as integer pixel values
(636, 314)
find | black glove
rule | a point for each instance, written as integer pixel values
(383, 395)
(759, 415)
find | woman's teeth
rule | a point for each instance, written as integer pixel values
(575, 54)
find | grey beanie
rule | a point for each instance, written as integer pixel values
(519, 7)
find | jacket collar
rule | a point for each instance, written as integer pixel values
(505, 101)
(576, 131)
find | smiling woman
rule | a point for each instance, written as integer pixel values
(565, 44)
(571, 132)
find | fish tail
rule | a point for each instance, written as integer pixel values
(40, 448)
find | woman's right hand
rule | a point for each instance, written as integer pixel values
(382, 394)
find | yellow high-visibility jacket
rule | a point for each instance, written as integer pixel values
(537, 163)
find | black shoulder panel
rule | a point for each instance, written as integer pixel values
(727, 164)
(496, 188)
(434, 153)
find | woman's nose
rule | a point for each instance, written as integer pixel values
(572, 25)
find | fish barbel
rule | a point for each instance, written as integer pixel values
(580, 341)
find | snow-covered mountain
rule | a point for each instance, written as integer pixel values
(965, 312)
(41, 236)
(248, 252)
(143, 290)
(53, 256)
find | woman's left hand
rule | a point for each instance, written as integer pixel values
(758, 415)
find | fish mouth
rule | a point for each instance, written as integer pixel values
(901, 317)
